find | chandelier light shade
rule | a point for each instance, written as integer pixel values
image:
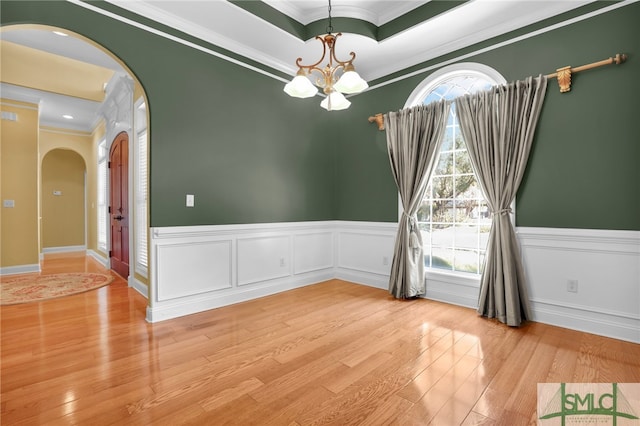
(300, 87)
(335, 101)
(335, 78)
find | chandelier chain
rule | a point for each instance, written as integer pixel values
(329, 27)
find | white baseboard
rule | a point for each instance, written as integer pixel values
(363, 277)
(618, 325)
(210, 300)
(104, 261)
(139, 286)
(63, 249)
(20, 269)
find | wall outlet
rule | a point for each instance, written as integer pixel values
(572, 286)
(385, 260)
(190, 200)
(282, 261)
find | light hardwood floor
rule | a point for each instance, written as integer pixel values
(332, 353)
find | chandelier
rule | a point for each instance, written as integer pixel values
(335, 78)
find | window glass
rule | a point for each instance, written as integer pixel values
(453, 216)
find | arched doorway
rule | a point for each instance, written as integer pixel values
(63, 201)
(51, 93)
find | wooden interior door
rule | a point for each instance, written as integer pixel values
(119, 204)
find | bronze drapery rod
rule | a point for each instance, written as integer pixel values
(562, 74)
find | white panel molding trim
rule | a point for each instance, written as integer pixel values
(204, 267)
(196, 268)
(605, 264)
(364, 252)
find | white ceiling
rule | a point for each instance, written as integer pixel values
(226, 25)
(378, 12)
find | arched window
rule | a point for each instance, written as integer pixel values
(454, 217)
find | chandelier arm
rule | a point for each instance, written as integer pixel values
(332, 52)
(315, 65)
(348, 82)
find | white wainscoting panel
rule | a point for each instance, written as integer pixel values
(263, 258)
(197, 268)
(313, 252)
(186, 269)
(606, 266)
(365, 252)
(204, 267)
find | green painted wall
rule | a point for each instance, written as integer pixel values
(226, 134)
(250, 154)
(583, 171)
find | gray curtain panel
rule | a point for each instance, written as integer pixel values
(414, 136)
(498, 127)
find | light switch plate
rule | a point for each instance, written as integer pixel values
(190, 200)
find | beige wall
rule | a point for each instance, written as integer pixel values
(20, 242)
(63, 199)
(45, 152)
(53, 144)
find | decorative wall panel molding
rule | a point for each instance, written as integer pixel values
(263, 258)
(603, 266)
(197, 268)
(190, 268)
(313, 251)
(364, 252)
(204, 267)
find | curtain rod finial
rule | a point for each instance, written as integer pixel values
(620, 58)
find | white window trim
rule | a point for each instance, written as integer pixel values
(469, 68)
(140, 120)
(414, 99)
